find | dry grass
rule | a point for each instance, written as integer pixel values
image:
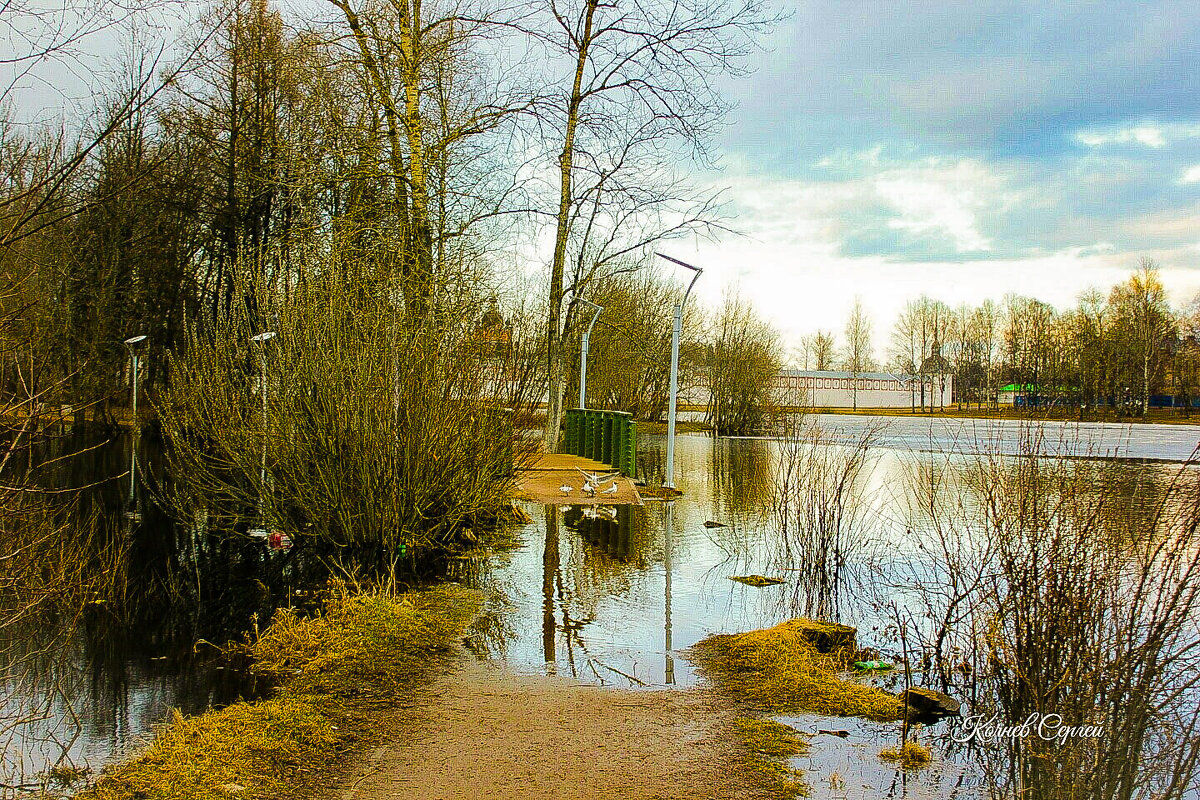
(363, 649)
(756, 580)
(363, 645)
(910, 756)
(767, 742)
(265, 748)
(777, 670)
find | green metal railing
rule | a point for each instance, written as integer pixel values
(606, 436)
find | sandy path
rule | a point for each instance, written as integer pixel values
(485, 734)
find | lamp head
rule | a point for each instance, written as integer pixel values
(680, 263)
(135, 340)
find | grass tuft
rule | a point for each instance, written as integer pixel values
(777, 670)
(910, 756)
(262, 748)
(768, 741)
(367, 646)
(756, 580)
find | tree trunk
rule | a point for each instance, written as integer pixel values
(566, 163)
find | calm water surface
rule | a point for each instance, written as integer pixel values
(614, 602)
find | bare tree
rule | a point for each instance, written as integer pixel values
(743, 368)
(857, 356)
(819, 349)
(1145, 324)
(639, 95)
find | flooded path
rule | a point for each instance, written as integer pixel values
(486, 732)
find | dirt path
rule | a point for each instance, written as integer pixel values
(485, 734)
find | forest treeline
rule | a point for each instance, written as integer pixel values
(1118, 351)
(414, 152)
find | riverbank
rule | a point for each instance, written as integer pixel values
(334, 671)
(377, 699)
(1154, 417)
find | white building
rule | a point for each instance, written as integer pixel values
(830, 389)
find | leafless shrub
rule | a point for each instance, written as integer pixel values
(743, 369)
(1066, 587)
(374, 433)
(821, 508)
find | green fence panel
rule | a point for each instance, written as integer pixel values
(606, 436)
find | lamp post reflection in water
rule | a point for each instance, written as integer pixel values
(668, 540)
(549, 570)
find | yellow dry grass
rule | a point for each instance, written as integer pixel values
(777, 670)
(248, 750)
(363, 645)
(363, 648)
(767, 743)
(910, 756)
(756, 580)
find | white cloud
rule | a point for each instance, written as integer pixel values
(1148, 135)
(1154, 135)
(792, 266)
(938, 200)
(1191, 174)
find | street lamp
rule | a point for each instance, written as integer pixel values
(584, 352)
(262, 339)
(675, 334)
(132, 343)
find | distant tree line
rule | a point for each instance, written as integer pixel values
(1111, 353)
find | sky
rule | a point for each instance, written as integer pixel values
(963, 150)
(958, 149)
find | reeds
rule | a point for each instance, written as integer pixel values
(820, 505)
(1066, 589)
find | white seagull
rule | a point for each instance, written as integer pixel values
(612, 489)
(565, 489)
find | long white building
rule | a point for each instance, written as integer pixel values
(830, 389)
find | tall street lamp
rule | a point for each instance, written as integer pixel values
(675, 334)
(584, 352)
(261, 339)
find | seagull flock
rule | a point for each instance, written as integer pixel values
(592, 482)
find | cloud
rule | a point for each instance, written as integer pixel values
(1148, 135)
(1191, 174)
(1000, 79)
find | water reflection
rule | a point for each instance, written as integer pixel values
(609, 597)
(133, 630)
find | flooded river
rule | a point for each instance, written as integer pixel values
(613, 601)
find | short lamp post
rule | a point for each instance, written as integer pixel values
(587, 335)
(261, 339)
(134, 343)
(676, 331)
(135, 358)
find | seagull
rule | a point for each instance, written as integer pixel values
(612, 489)
(589, 488)
(565, 489)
